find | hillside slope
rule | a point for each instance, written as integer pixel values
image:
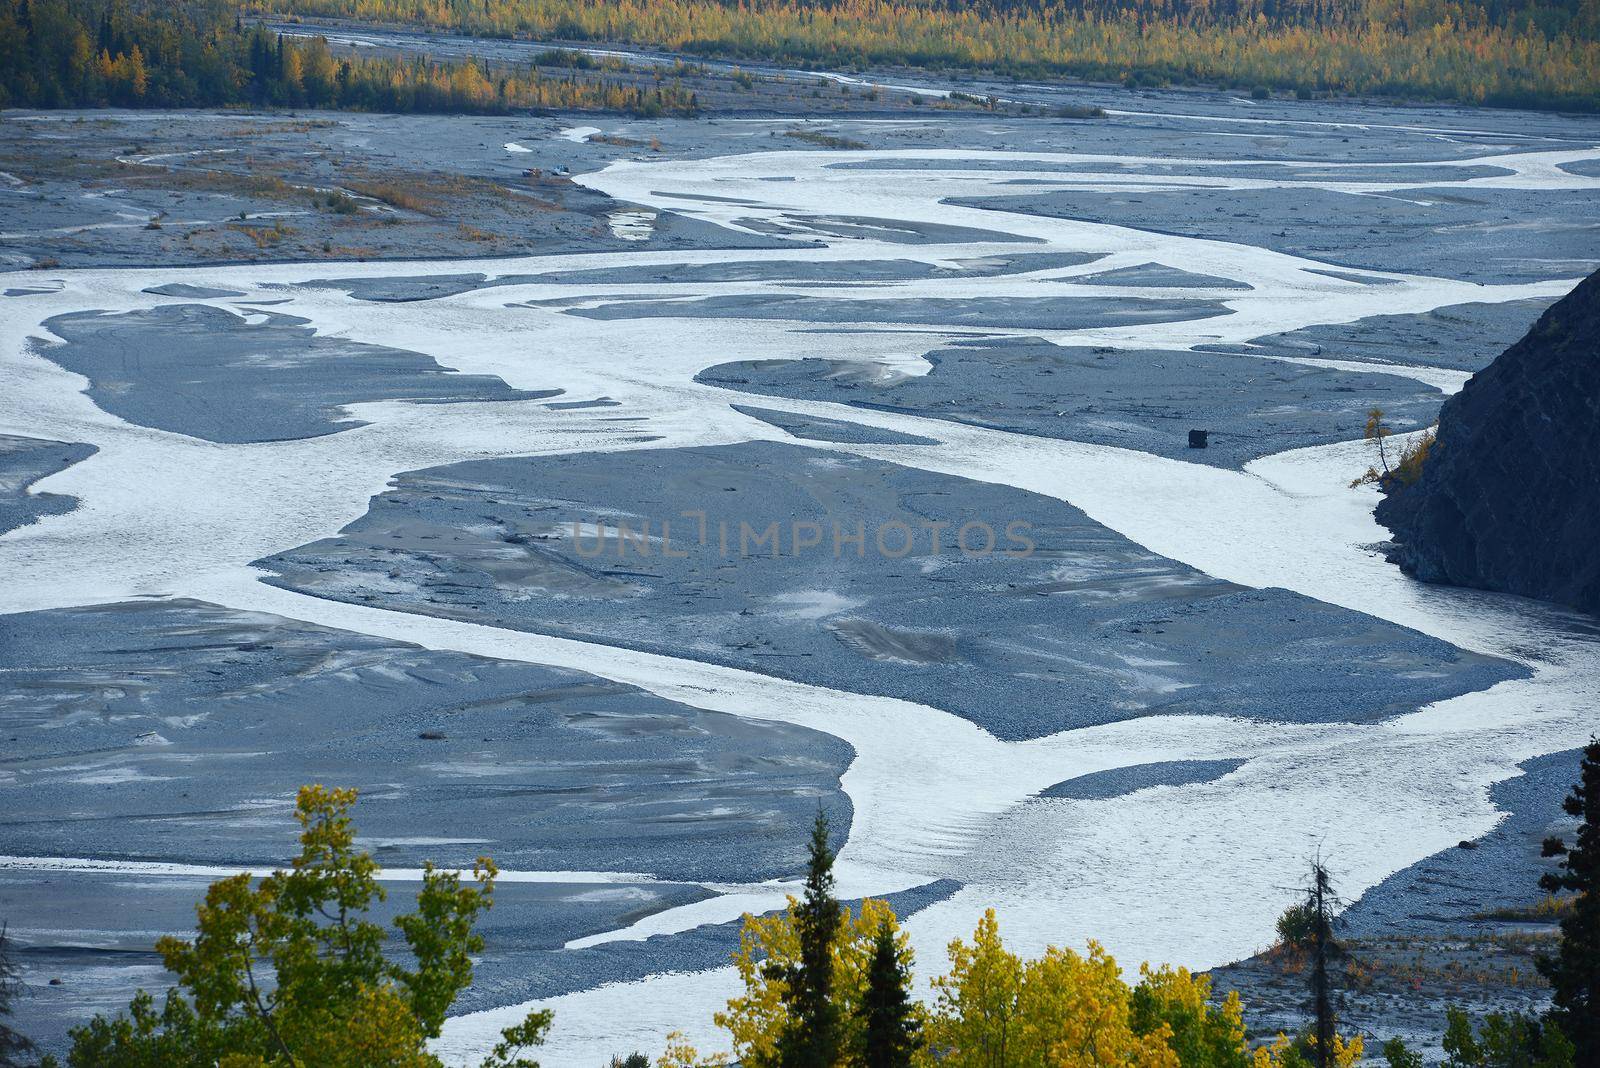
(1510, 498)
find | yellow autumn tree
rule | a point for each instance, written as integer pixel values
(138, 78)
(320, 71)
(975, 1019)
(1201, 1033)
(1062, 1010)
(294, 75)
(769, 946)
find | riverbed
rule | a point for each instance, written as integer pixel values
(280, 522)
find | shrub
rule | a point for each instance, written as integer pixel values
(1298, 925)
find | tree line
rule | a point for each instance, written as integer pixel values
(1536, 53)
(288, 972)
(199, 53)
(181, 53)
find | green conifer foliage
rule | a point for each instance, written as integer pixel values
(1574, 970)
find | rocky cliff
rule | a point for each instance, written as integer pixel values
(1509, 498)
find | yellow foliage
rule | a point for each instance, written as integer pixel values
(1182, 992)
(1063, 1010)
(756, 1019)
(293, 69)
(680, 1053)
(1412, 458)
(1345, 1053)
(383, 1030)
(1199, 1031)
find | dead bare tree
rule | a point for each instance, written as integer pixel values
(1307, 927)
(1322, 900)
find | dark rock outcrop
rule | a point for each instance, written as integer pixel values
(1509, 498)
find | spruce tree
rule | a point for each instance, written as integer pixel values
(1574, 970)
(891, 1031)
(811, 1039)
